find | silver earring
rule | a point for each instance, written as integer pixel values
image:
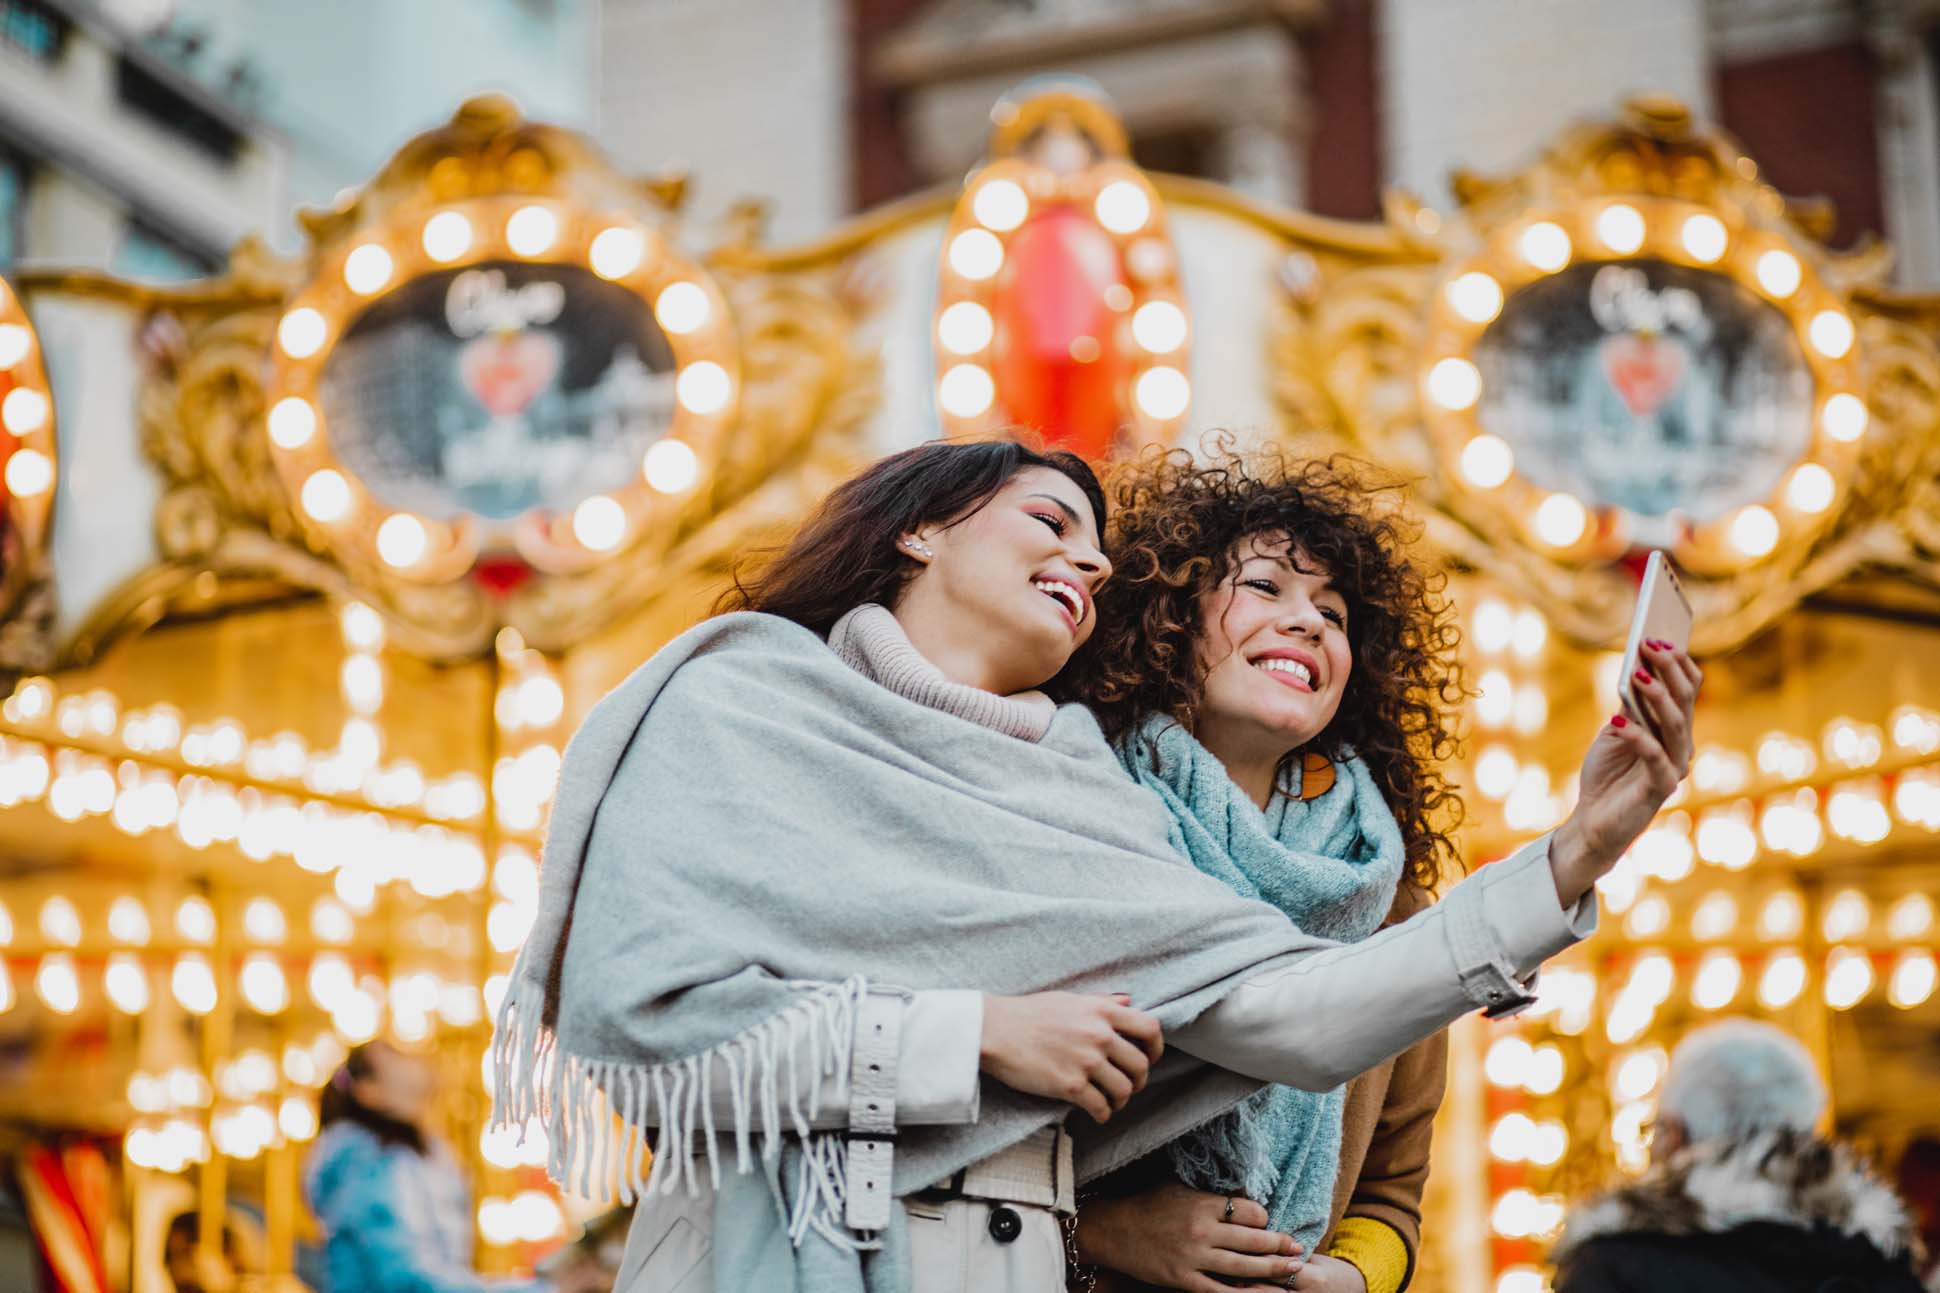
(919, 549)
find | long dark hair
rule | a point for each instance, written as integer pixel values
(846, 553)
(1175, 539)
(339, 1103)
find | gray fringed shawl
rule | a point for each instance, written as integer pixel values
(747, 833)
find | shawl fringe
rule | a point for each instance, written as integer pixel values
(598, 1113)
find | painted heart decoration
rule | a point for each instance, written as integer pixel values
(1645, 371)
(506, 371)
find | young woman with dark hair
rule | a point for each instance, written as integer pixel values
(1277, 669)
(820, 863)
(392, 1199)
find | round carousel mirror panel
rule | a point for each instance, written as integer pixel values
(1649, 386)
(499, 388)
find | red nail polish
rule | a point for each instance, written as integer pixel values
(1618, 720)
(1643, 679)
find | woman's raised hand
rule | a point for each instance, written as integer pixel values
(1181, 1238)
(1629, 772)
(1090, 1051)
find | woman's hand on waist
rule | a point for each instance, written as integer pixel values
(1093, 1052)
(1180, 1238)
(1627, 775)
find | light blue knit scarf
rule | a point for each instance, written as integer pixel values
(1331, 863)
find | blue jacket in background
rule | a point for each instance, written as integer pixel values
(394, 1220)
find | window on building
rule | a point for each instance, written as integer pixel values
(32, 27)
(146, 253)
(13, 207)
(150, 94)
(1180, 150)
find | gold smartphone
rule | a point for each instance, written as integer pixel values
(1662, 615)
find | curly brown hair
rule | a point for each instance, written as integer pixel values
(1175, 535)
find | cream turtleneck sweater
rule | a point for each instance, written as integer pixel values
(871, 641)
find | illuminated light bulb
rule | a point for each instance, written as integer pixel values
(1779, 273)
(1854, 745)
(1718, 978)
(1629, 1017)
(60, 922)
(401, 540)
(682, 307)
(1831, 334)
(24, 411)
(1846, 916)
(1495, 626)
(1910, 918)
(30, 473)
(1630, 1133)
(1754, 531)
(126, 983)
(367, 269)
(1705, 238)
(1786, 758)
(1546, 246)
(1848, 978)
(1507, 1062)
(292, 421)
(703, 387)
(356, 1018)
(326, 495)
(263, 985)
(1521, 1279)
(600, 523)
(1782, 917)
(1000, 205)
(1652, 977)
(57, 985)
(1561, 520)
(15, 342)
(617, 251)
(1649, 918)
(302, 332)
(541, 701)
(1531, 633)
(1725, 837)
(670, 467)
(363, 628)
(1487, 461)
(1495, 698)
(1496, 770)
(1509, 1139)
(330, 980)
(362, 682)
(194, 984)
(531, 230)
(965, 328)
(1844, 416)
(1160, 327)
(1856, 812)
(1715, 917)
(195, 921)
(1620, 227)
(1454, 383)
(1638, 1073)
(447, 236)
(966, 390)
(1475, 296)
(128, 921)
(1782, 981)
(1531, 708)
(976, 254)
(1810, 489)
(1913, 980)
(297, 1118)
(1545, 1072)
(1122, 207)
(1162, 392)
(263, 921)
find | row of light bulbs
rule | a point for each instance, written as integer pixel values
(24, 411)
(599, 522)
(1454, 382)
(965, 329)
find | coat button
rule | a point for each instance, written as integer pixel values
(1005, 1224)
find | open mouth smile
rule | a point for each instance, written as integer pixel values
(1067, 595)
(1290, 671)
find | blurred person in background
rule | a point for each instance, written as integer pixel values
(1742, 1196)
(392, 1198)
(192, 1271)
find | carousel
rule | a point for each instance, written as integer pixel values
(310, 570)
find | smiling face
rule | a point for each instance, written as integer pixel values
(1005, 593)
(1274, 649)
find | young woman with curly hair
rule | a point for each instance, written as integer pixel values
(1273, 666)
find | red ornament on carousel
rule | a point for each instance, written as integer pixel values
(1054, 254)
